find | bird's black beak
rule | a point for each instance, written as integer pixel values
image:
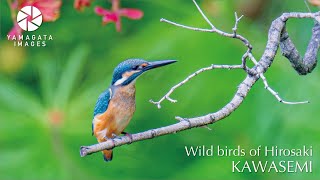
(156, 64)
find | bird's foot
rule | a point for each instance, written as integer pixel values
(128, 135)
(112, 139)
(115, 136)
(106, 138)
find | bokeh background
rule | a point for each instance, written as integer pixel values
(47, 94)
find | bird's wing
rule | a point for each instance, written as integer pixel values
(102, 104)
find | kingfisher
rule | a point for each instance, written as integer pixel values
(116, 105)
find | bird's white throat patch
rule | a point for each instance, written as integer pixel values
(120, 81)
(125, 76)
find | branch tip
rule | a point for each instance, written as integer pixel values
(171, 100)
(83, 151)
(276, 94)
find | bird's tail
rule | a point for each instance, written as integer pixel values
(107, 155)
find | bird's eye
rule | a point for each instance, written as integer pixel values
(142, 66)
(135, 67)
(138, 67)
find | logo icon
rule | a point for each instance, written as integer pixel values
(29, 18)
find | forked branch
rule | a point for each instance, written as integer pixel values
(277, 37)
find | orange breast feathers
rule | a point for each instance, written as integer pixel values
(118, 114)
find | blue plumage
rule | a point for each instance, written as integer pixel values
(125, 66)
(101, 104)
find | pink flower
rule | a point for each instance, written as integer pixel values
(15, 31)
(14, 4)
(115, 14)
(80, 4)
(50, 9)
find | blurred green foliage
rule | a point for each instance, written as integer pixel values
(47, 94)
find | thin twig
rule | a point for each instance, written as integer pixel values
(185, 27)
(266, 85)
(203, 15)
(235, 27)
(213, 30)
(275, 94)
(307, 5)
(167, 96)
(253, 59)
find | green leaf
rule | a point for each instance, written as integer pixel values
(47, 77)
(70, 75)
(17, 98)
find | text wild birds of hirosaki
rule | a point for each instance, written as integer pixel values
(281, 160)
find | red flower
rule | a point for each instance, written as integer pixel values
(14, 4)
(115, 14)
(15, 31)
(50, 9)
(80, 4)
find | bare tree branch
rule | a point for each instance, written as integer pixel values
(203, 15)
(306, 64)
(234, 29)
(275, 94)
(167, 96)
(277, 36)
